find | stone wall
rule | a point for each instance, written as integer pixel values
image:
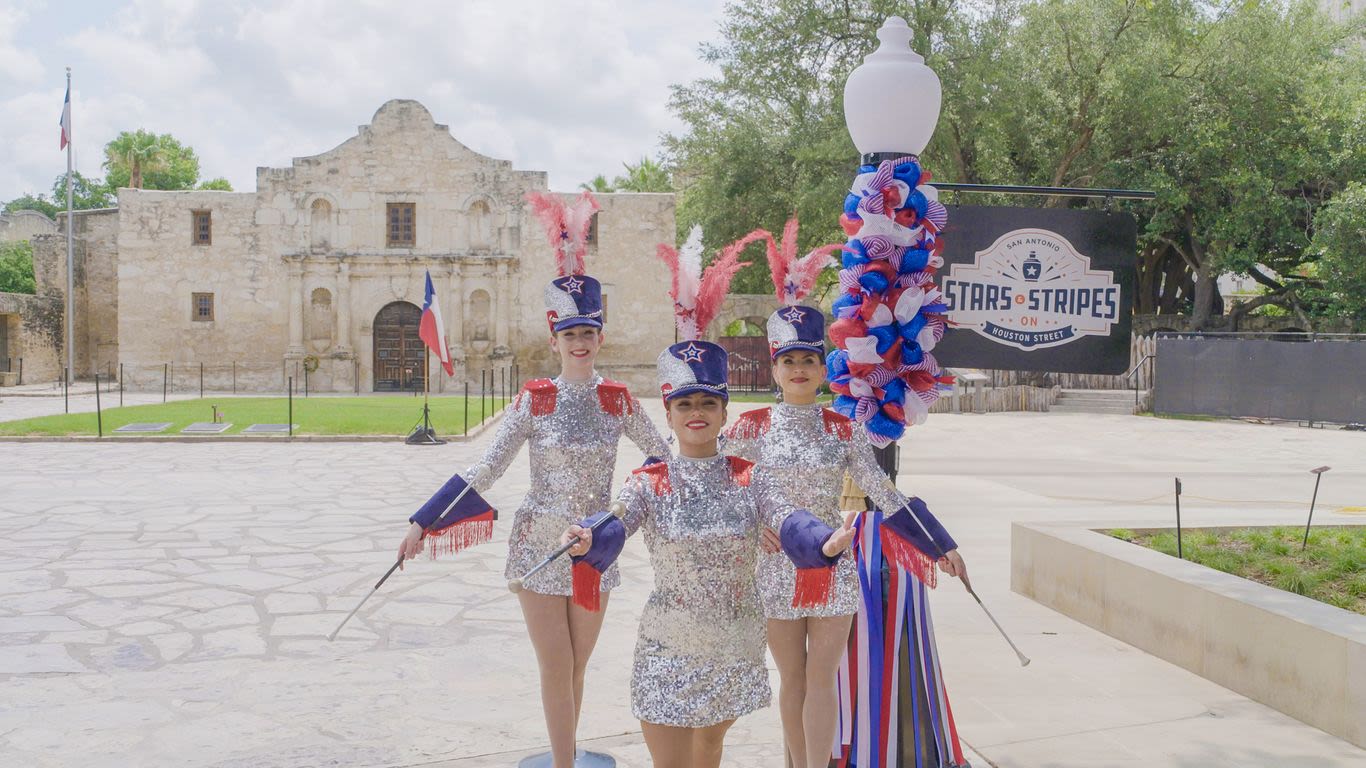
(33, 331)
(25, 225)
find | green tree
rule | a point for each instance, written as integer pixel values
(221, 184)
(144, 160)
(16, 267)
(1339, 246)
(645, 176)
(86, 193)
(38, 203)
(599, 184)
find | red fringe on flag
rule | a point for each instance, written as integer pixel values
(614, 398)
(814, 587)
(740, 470)
(543, 392)
(837, 424)
(587, 586)
(908, 556)
(467, 533)
(751, 425)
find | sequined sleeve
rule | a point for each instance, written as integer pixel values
(639, 497)
(771, 503)
(871, 479)
(877, 486)
(643, 433)
(515, 430)
(737, 443)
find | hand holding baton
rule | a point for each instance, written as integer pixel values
(617, 510)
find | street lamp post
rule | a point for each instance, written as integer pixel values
(887, 320)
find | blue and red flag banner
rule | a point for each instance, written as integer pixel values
(65, 122)
(432, 329)
(455, 517)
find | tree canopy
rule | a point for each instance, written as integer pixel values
(1246, 118)
(145, 160)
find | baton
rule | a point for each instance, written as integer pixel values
(392, 568)
(617, 510)
(1024, 660)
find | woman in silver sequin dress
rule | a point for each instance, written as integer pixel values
(572, 425)
(805, 450)
(699, 656)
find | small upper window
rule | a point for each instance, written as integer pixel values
(401, 231)
(201, 307)
(203, 228)
(593, 230)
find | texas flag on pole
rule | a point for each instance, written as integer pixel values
(66, 119)
(432, 329)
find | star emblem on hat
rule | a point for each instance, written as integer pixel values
(691, 353)
(573, 285)
(792, 315)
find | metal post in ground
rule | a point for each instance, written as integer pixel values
(201, 381)
(120, 385)
(66, 390)
(483, 378)
(1318, 476)
(290, 388)
(21, 370)
(467, 407)
(305, 380)
(99, 415)
(234, 377)
(1179, 554)
(165, 374)
(355, 374)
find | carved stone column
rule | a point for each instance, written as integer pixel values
(343, 340)
(296, 306)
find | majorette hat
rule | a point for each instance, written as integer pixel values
(793, 326)
(693, 365)
(573, 298)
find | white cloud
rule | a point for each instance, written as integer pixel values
(571, 88)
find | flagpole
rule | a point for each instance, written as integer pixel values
(70, 253)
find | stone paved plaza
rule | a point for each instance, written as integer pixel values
(166, 604)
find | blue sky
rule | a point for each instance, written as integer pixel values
(573, 88)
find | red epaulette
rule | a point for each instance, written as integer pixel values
(614, 398)
(740, 470)
(751, 425)
(542, 392)
(837, 424)
(658, 475)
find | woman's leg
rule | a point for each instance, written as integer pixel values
(584, 627)
(670, 746)
(826, 640)
(547, 622)
(787, 641)
(707, 743)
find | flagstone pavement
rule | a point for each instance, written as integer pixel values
(167, 604)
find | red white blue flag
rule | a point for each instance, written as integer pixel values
(432, 328)
(66, 119)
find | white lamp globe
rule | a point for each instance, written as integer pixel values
(892, 100)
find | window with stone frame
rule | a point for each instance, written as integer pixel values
(201, 232)
(402, 225)
(592, 238)
(201, 307)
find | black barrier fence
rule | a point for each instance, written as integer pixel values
(1308, 377)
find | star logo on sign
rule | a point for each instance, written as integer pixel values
(792, 315)
(573, 285)
(691, 353)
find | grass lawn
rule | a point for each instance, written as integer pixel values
(1332, 570)
(395, 415)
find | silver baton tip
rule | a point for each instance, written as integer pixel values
(617, 509)
(515, 585)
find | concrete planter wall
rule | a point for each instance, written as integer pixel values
(1297, 655)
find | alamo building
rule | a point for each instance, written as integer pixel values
(323, 268)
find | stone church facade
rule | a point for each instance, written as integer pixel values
(323, 268)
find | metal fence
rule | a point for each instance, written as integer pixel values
(1301, 377)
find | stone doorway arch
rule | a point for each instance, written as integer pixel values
(400, 362)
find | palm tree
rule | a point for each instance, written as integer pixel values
(646, 176)
(598, 184)
(134, 153)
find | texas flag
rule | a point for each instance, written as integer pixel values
(432, 328)
(66, 119)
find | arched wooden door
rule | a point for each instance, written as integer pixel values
(398, 350)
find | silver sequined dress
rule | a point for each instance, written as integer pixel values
(573, 457)
(699, 657)
(803, 452)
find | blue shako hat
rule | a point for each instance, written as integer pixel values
(693, 366)
(573, 300)
(796, 327)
